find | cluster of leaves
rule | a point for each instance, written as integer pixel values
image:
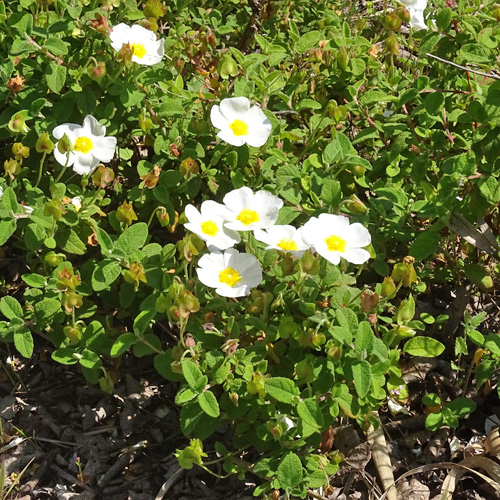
(397, 140)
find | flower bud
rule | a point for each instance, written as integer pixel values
(103, 176)
(154, 8)
(405, 272)
(97, 71)
(403, 14)
(309, 264)
(17, 124)
(304, 371)
(16, 84)
(19, 151)
(74, 334)
(44, 144)
(342, 58)
(392, 45)
(388, 287)
(163, 218)
(107, 384)
(496, 12)
(12, 167)
(369, 301)
(233, 396)
(355, 205)
(145, 123)
(64, 145)
(54, 259)
(135, 275)
(392, 21)
(189, 167)
(71, 300)
(125, 213)
(190, 342)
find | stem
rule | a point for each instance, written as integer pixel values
(64, 168)
(157, 209)
(40, 169)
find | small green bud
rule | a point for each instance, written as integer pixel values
(44, 144)
(17, 124)
(64, 145)
(54, 259)
(12, 167)
(19, 151)
(125, 213)
(405, 272)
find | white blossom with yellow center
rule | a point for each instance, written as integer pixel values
(231, 273)
(239, 123)
(246, 210)
(147, 50)
(77, 203)
(208, 224)
(333, 237)
(90, 145)
(284, 238)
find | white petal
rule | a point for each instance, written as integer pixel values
(227, 291)
(85, 163)
(62, 158)
(119, 36)
(357, 236)
(263, 236)
(192, 214)
(139, 34)
(356, 255)
(217, 118)
(238, 199)
(333, 224)
(66, 128)
(211, 208)
(104, 149)
(234, 108)
(310, 231)
(228, 136)
(91, 127)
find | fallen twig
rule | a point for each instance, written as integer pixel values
(488, 75)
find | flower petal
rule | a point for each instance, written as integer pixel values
(91, 127)
(217, 118)
(66, 128)
(234, 108)
(84, 163)
(62, 158)
(119, 36)
(228, 136)
(104, 149)
(356, 255)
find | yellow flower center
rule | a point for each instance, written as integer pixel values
(289, 244)
(209, 227)
(139, 50)
(229, 276)
(247, 216)
(83, 144)
(239, 127)
(335, 243)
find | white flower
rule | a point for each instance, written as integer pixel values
(333, 237)
(77, 203)
(231, 273)
(285, 238)
(27, 210)
(239, 123)
(90, 146)
(147, 49)
(417, 20)
(247, 211)
(1, 191)
(208, 224)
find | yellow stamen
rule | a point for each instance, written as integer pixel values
(247, 216)
(239, 127)
(209, 227)
(83, 144)
(229, 276)
(139, 50)
(336, 243)
(289, 244)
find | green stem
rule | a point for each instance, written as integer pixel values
(157, 209)
(64, 168)
(40, 169)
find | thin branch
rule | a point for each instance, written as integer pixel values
(32, 42)
(488, 75)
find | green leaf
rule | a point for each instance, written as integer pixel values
(426, 347)
(425, 245)
(90, 359)
(70, 242)
(104, 241)
(34, 280)
(133, 238)
(492, 343)
(307, 41)
(46, 309)
(10, 307)
(56, 46)
(461, 407)
(7, 228)
(195, 379)
(362, 374)
(152, 346)
(290, 472)
(209, 404)
(282, 389)
(365, 338)
(23, 340)
(443, 19)
(478, 275)
(434, 421)
(170, 107)
(105, 274)
(311, 416)
(331, 192)
(56, 77)
(122, 344)
(9, 201)
(338, 149)
(490, 189)
(64, 356)
(308, 104)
